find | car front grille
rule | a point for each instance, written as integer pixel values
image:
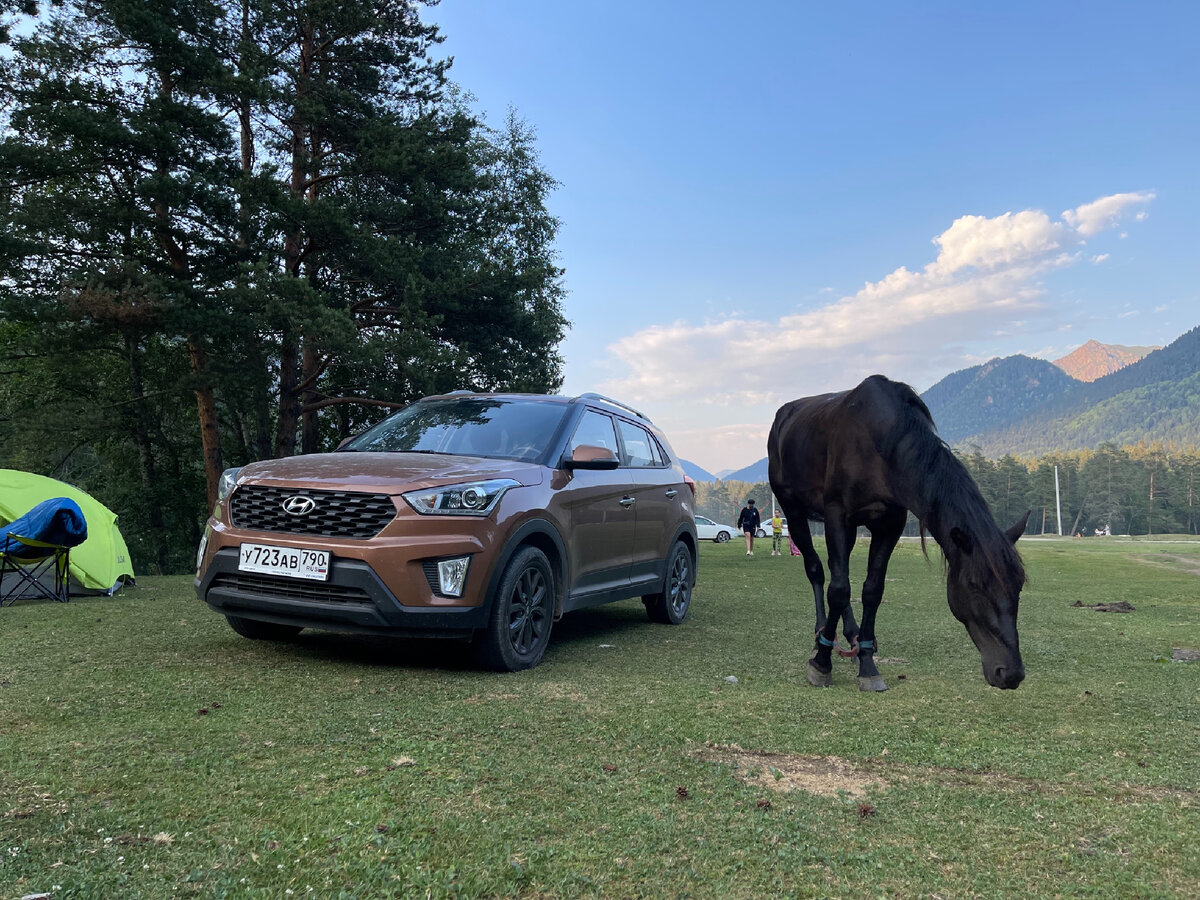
(333, 514)
(290, 588)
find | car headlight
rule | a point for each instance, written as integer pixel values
(476, 498)
(226, 484)
(224, 489)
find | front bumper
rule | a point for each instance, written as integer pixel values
(353, 599)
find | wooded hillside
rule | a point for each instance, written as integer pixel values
(1011, 406)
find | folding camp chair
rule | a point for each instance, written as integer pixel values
(29, 561)
(36, 543)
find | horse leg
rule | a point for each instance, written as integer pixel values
(802, 538)
(884, 535)
(839, 540)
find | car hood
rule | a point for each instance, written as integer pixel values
(387, 473)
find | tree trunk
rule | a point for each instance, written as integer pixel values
(177, 254)
(289, 358)
(141, 438)
(309, 434)
(210, 432)
(289, 400)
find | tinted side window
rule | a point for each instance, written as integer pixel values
(640, 449)
(595, 430)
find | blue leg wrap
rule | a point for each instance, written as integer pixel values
(824, 641)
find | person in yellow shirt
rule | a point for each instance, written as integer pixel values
(776, 533)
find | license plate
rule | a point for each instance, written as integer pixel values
(290, 562)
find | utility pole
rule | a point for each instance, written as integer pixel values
(1057, 502)
(1150, 511)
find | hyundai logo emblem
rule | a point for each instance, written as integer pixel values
(299, 505)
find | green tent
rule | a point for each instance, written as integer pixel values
(101, 562)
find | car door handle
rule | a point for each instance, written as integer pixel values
(671, 494)
(627, 502)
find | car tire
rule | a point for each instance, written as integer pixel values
(671, 606)
(518, 629)
(262, 631)
(762, 533)
(722, 537)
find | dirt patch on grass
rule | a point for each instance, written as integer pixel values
(563, 691)
(1170, 561)
(1002, 781)
(1188, 563)
(828, 776)
(29, 800)
(832, 776)
(1120, 606)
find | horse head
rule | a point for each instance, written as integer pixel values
(983, 586)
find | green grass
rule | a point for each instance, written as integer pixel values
(148, 751)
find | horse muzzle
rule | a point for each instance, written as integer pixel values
(1005, 677)
(1002, 664)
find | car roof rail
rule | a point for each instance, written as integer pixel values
(617, 403)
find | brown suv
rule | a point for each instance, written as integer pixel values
(481, 516)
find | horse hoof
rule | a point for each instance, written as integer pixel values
(817, 678)
(871, 683)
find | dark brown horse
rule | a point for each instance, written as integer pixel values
(867, 457)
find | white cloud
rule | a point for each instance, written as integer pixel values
(985, 281)
(1099, 258)
(1094, 217)
(982, 243)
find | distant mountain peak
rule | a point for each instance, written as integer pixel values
(1030, 407)
(1095, 360)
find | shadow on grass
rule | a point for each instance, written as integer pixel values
(578, 629)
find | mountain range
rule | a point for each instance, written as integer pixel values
(1098, 393)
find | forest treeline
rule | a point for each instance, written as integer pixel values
(1144, 488)
(240, 229)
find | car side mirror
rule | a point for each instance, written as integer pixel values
(589, 456)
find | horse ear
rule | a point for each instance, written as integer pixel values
(1019, 529)
(961, 539)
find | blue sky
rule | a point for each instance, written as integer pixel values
(768, 200)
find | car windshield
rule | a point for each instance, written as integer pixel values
(466, 426)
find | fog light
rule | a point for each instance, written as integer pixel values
(452, 575)
(200, 552)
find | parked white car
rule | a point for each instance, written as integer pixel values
(764, 529)
(708, 530)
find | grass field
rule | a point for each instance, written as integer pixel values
(146, 751)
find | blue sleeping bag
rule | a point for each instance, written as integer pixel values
(58, 521)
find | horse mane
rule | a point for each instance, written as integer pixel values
(948, 495)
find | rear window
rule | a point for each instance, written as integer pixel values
(467, 426)
(641, 450)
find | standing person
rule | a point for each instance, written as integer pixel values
(776, 533)
(748, 521)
